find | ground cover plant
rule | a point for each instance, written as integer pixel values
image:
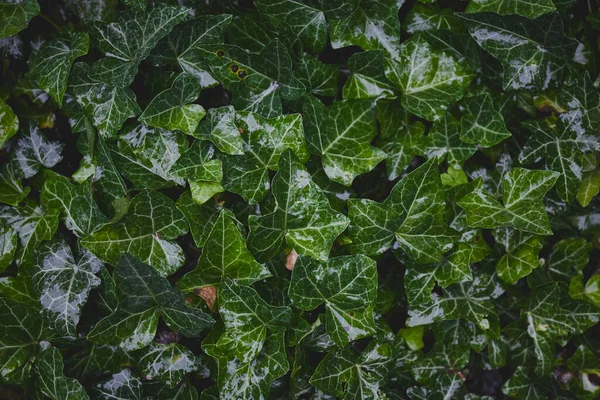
(299, 199)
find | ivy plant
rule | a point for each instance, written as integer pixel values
(299, 199)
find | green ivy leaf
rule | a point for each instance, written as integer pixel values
(424, 17)
(347, 285)
(33, 151)
(430, 79)
(373, 25)
(168, 363)
(14, 16)
(529, 9)
(341, 135)
(52, 63)
(8, 246)
(265, 139)
(532, 53)
(522, 193)
(130, 40)
(53, 383)
(224, 256)
(569, 256)
(581, 103)
(319, 78)
(63, 284)
(482, 123)
(147, 232)
(107, 106)
(180, 46)
(303, 21)
(247, 317)
(11, 188)
(9, 123)
(220, 128)
(444, 142)
(301, 217)
(122, 385)
(144, 296)
(368, 79)
(171, 108)
(521, 256)
(412, 215)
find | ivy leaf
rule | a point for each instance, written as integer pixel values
(569, 256)
(412, 215)
(561, 151)
(303, 21)
(51, 66)
(21, 331)
(53, 383)
(429, 79)
(14, 16)
(521, 256)
(521, 386)
(522, 193)
(247, 317)
(529, 10)
(319, 78)
(348, 376)
(8, 246)
(373, 25)
(481, 122)
(168, 363)
(122, 385)
(424, 17)
(220, 128)
(341, 135)
(146, 155)
(9, 123)
(147, 232)
(62, 284)
(301, 217)
(32, 224)
(444, 142)
(79, 211)
(532, 53)
(368, 79)
(180, 46)
(201, 218)
(258, 82)
(11, 188)
(171, 108)
(581, 103)
(107, 106)
(347, 285)
(144, 296)
(224, 256)
(265, 139)
(110, 189)
(33, 151)
(130, 40)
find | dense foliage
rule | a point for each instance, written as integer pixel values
(359, 199)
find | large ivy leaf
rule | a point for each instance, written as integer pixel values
(521, 256)
(532, 53)
(412, 215)
(21, 332)
(444, 142)
(63, 284)
(424, 17)
(11, 187)
(319, 78)
(107, 106)
(52, 63)
(78, 209)
(14, 16)
(32, 224)
(348, 376)
(168, 363)
(147, 232)
(430, 79)
(247, 317)
(33, 151)
(144, 296)
(53, 383)
(224, 256)
(301, 216)
(368, 79)
(220, 128)
(180, 46)
(341, 135)
(258, 82)
(305, 22)
(347, 285)
(130, 40)
(8, 246)
(171, 108)
(481, 122)
(561, 150)
(580, 106)
(265, 139)
(529, 9)
(522, 193)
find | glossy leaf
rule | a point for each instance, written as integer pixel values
(220, 128)
(53, 382)
(9, 123)
(168, 363)
(529, 9)
(14, 16)
(33, 151)
(481, 122)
